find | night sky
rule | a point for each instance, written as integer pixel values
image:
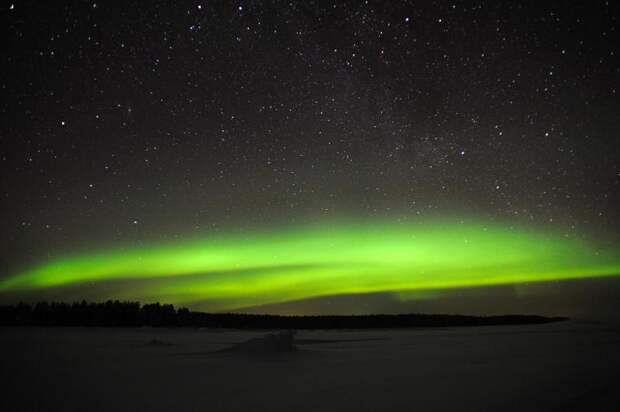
(132, 128)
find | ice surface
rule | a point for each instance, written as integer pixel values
(560, 366)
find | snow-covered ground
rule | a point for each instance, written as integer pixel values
(561, 366)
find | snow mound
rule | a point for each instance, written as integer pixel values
(281, 342)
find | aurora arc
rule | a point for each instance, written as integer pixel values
(249, 269)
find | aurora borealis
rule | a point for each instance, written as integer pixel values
(313, 157)
(244, 270)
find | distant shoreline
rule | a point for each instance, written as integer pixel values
(133, 314)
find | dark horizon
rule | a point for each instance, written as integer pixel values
(578, 302)
(134, 314)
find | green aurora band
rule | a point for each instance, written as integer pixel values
(244, 270)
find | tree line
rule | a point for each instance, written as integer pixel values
(134, 314)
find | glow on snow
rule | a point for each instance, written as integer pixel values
(243, 270)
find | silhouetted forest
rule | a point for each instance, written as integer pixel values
(133, 314)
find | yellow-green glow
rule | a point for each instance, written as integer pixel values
(242, 270)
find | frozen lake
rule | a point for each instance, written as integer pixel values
(560, 366)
